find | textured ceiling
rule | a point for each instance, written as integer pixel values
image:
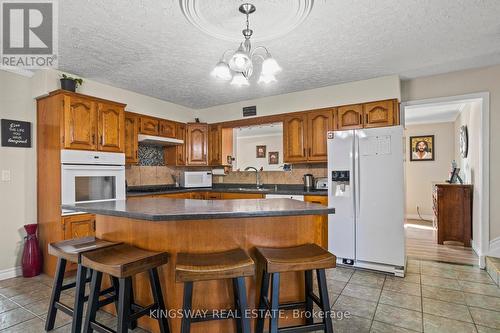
(149, 46)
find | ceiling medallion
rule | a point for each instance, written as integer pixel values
(279, 18)
(237, 65)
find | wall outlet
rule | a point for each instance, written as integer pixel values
(6, 175)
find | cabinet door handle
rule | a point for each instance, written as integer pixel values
(93, 138)
(304, 151)
(366, 119)
(100, 140)
(360, 118)
(309, 152)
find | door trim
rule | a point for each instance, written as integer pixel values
(482, 247)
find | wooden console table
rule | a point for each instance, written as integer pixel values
(453, 212)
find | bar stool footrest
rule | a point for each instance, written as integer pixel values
(140, 311)
(101, 328)
(64, 308)
(106, 301)
(303, 328)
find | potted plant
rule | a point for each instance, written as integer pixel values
(70, 83)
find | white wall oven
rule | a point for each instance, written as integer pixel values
(89, 176)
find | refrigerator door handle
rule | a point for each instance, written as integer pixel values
(357, 175)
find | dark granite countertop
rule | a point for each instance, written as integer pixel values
(235, 188)
(165, 209)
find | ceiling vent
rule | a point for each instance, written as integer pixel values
(249, 111)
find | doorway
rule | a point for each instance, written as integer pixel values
(435, 126)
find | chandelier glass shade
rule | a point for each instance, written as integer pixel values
(237, 66)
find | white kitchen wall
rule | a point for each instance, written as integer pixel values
(246, 151)
(17, 196)
(48, 80)
(469, 167)
(386, 87)
(420, 175)
(484, 79)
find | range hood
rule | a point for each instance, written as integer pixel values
(159, 140)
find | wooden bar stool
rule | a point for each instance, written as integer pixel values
(234, 264)
(72, 250)
(122, 262)
(305, 258)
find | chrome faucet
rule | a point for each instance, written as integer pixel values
(257, 176)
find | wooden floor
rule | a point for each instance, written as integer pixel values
(421, 244)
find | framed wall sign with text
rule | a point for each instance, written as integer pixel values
(16, 133)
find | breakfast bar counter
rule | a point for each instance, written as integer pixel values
(207, 226)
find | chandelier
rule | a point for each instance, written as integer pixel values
(237, 66)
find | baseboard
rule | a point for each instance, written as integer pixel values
(416, 217)
(494, 248)
(10, 273)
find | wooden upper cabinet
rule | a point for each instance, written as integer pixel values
(379, 114)
(167, 128)
(111, 120)
(197, 144)
(92, 123)
(214, 145)
(318, 124)
(295, 138)
(176, 155)
(181, 149)
(350, 117)
(79, 123)
(131, 143)
(76, 226)
(149, 126)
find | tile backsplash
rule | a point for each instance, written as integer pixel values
(151, 170)
(274, 177)
(151, 175)
(151, 155)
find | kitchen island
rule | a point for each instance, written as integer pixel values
(204, 226)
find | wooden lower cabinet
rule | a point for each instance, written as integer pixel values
(319, 199)
(453, 212)
(182, 195)
(322, 200)
(230, 196)
(198, 195)
(77, 226)
(213, 196)
(204, 195)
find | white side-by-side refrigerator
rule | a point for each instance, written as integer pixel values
(366, 188)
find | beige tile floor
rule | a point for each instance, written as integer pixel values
(433, 297)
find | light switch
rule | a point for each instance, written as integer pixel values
(6, 175)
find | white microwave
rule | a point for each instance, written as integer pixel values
(196, 179)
